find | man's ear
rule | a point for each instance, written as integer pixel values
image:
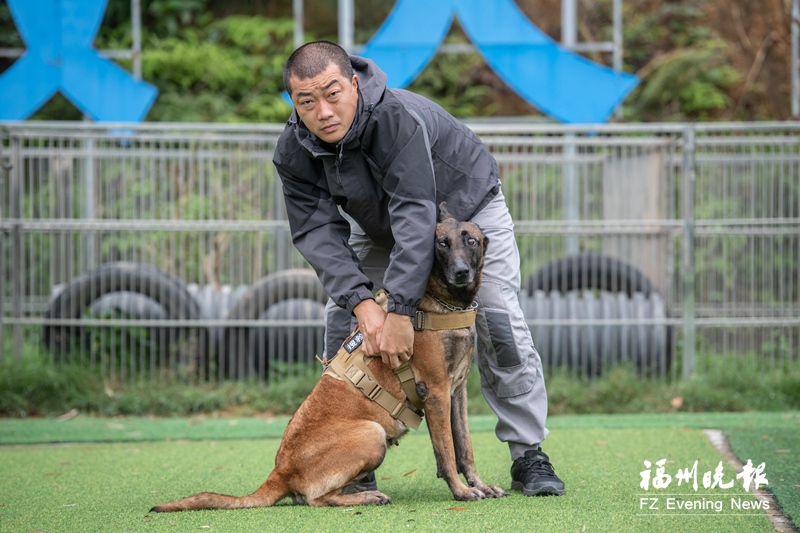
(355, 82)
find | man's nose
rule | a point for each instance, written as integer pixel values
(324, 111)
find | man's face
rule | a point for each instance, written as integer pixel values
(326, 103)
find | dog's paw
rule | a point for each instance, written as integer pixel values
(375, 497)
(492, 491)
(469, 494)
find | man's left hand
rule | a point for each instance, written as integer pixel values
(397, 341)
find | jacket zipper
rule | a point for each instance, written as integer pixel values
(338, 163)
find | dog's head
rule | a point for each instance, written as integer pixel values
(460, 248)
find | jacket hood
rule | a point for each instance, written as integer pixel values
(371, 80)
(371, 85)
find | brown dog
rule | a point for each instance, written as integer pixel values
(338, 435)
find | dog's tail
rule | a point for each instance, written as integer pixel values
(271, 492)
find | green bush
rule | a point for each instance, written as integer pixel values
(230, 70)
(34, 386)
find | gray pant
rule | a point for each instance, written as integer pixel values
(510, 367)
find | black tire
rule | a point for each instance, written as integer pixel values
(595, 271)
(292, 343)
(589, 350)
(244, 349)
(166, 294)
(589, 270)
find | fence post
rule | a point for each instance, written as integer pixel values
(795, 58)
(15, 193)
(570, 198)
(5, 168)
(687, 254)
(88, 208)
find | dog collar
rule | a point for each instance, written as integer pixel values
(458, 317)
(437, 321)
(451, 307)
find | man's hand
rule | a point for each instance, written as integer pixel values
(388, 336)
(397, 343)
(370, 317)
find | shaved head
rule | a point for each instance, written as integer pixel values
(313, 58)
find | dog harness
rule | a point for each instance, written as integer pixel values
(351, 364)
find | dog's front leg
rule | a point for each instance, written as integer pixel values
(437, 413)
(465, 460)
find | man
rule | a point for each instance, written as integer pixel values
(363, 168)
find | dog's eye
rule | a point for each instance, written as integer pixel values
(471, 241)
(442, 244)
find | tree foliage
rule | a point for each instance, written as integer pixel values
(682, 65)
(223, 70)
(228, 71)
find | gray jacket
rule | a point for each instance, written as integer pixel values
(402, 156)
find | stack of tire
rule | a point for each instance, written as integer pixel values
(279, 320)
(601, 289)
(293, 301)
(285, 311)
(126, 290)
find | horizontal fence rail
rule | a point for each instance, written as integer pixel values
(162, 250)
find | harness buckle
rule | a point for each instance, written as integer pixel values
(399, 408)
(362, 381)
(374, 392)
(419, 320)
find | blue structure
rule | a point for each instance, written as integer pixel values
(560, 83)
(60, 57)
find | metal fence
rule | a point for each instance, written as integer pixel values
(163, 249)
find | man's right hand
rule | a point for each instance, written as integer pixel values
(370, 317)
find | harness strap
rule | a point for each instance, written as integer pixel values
(403, 372)
(437, 321)
(409, 384)
(350, 364)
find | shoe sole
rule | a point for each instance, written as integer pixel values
(547, 490)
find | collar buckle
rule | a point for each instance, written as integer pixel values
(419, 320)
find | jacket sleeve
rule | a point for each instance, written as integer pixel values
(321, 234)
(397, 146)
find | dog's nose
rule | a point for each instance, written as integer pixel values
(461, 274)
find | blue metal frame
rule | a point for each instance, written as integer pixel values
(60, 56)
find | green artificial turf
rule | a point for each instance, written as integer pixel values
(110, 486)
(95, 429)
(778, 447)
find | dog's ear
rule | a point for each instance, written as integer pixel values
(443, 213)
(485, 244)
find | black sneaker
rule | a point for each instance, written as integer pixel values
(367, 482)
(534, 475)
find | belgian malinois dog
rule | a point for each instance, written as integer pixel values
(338, 435)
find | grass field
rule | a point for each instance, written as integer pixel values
(94, 474)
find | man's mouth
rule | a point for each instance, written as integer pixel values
(329, 129)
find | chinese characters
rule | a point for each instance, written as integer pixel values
(750, 475)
